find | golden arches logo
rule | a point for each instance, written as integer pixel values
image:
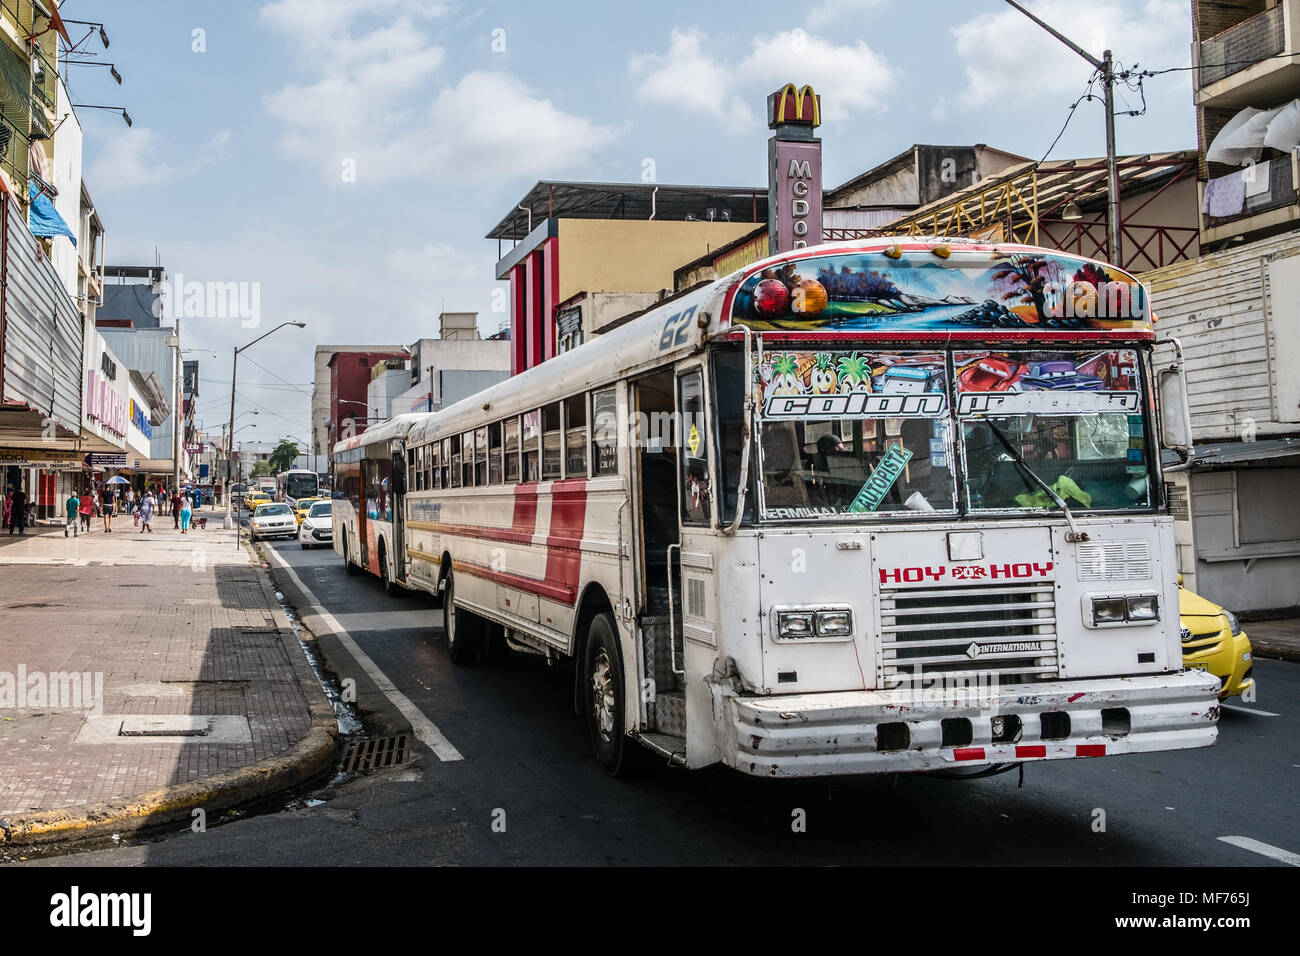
(790, 92)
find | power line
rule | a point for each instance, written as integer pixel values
(1087, 95)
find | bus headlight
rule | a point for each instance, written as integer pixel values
(808, 623)
(834, 623)
(1108, 610)
(794, 625)
(1144, 607)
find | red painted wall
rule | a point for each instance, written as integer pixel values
(349, 379)
(534, 292)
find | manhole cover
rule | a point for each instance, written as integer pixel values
(376, 752)
(168, 725)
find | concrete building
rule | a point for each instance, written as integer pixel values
(565, 283)
(1236, 310)
(322, 411)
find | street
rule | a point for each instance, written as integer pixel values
(527, 768)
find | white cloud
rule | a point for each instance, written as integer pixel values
(375, 101)
(686, 77)
(1005, 54)
(849, 77)
(137, 157)
(834, 12)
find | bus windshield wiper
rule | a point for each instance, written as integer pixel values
(1075, 534)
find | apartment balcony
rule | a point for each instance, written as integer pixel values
(1253, 202)
(1253, 63)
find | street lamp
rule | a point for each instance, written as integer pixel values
(229, 520)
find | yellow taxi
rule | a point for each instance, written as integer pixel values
(304, 506)
(254, 498)
(1213, 641)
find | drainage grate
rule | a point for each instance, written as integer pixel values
(376, 752)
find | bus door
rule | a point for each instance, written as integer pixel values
(656, 447)
(398, 505)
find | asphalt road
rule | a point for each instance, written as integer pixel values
(527, 790)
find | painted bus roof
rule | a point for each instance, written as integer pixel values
(682, 325)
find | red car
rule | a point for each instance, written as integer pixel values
(991, 374)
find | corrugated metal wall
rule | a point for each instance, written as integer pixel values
(1217, 306)
(43, 330)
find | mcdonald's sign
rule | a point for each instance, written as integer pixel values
(793, 105)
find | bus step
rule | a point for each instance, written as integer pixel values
(670, 713)
(674, 748)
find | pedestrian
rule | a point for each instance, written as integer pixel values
(18, 511)
(9, 504)
(87, 508)
(146, 511)
(176, 508)
(73, 506)
(187, 509)
(106, 510)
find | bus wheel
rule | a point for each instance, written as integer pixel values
(391, 587)
(347, 559)
(603, 694)
(463, 629)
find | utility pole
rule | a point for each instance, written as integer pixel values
(176, 412)
(1106, 65)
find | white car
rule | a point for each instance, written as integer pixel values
(317, 527)
(273, 519)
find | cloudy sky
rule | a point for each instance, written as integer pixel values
(350, 155)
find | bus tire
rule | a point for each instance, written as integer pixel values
(463, 629)
(602, 694)
(351, 568)
(391, 587)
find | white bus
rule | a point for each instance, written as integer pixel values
(296, 483)
(867, 507)
(366, 489)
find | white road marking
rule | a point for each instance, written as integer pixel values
(422, 726)
(1249, 710)
(1263, 849)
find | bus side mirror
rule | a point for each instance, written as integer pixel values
(1175, 411)
(1175, 415)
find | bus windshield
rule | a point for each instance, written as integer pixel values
(850, 433)
(847, 433)
(300, 485)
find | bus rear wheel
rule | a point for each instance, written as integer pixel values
(351, 568)
(463, 629)
(602, 683)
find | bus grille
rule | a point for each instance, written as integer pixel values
(1008, 630)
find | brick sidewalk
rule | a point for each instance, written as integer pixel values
(177, 626)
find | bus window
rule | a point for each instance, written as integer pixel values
(455, 461)
(467, 460)
(512, 449)
(435, 471)
(494, 453)
(575, 437)
(696, 497)
(551, 441)
(480, 456)
(532, 445)
(412, 469)
(604, 433)
(446, 463)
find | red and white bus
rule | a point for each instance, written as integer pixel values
(866, 507)
(366, 491)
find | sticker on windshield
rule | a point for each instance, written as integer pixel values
(1046, 383)
(883, 478)
(829, 384)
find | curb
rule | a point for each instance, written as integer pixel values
(1275, 651)
(310, 757)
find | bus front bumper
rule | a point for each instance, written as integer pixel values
(853, 732)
